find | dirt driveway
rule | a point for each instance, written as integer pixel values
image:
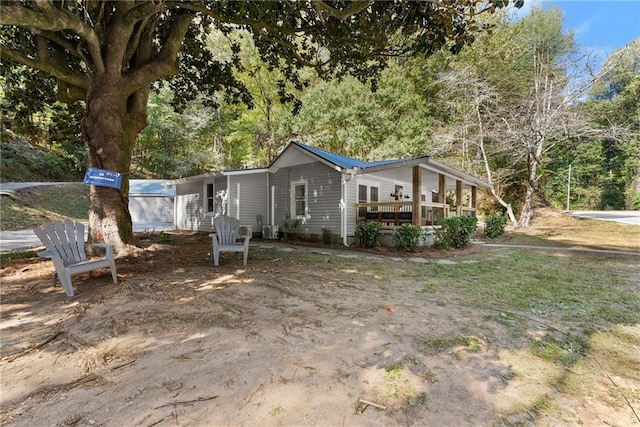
(299, 337)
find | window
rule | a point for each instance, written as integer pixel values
(362, 198)
(210, 202)
(373, 192)
(299, 199)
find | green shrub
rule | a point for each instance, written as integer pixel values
(455, 232)
(406, 238)
(291, 228)
(327, 236)
(494, 226)
(368, 234)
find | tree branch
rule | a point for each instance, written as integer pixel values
(74, 79)
(325, 9)
(166, 63)
(50, 18)
(237, 21)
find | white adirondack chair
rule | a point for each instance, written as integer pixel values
(65, 245)
(228, 237)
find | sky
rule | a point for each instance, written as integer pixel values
(599, 26)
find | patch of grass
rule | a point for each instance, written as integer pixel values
(18, 255)
(437, 345)
(393, 372)
(552, 227)
(278, 410)
(553, 352)
(430, 287)
(397, 386)
(587, 288)
(542, 405)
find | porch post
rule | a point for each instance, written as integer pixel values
(458, 197)
(442, 190)
(417, 195)
(474, 199)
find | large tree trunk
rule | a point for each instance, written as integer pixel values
(532, 188)
(111, 125)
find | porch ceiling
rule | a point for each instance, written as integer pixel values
(429, 178)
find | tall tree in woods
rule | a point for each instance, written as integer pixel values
(615, 102)
(515, 102)
(108, 53)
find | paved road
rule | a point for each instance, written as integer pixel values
(21, 185)
(626, 217)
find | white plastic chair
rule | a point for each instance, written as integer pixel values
(64, 241)
(227, 235)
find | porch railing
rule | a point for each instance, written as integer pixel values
(394, 214)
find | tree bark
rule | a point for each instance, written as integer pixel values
(111, 125)
(485, 160)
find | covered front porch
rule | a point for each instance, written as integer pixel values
(433, 191)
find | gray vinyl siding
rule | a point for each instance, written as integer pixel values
(189, 204)
(323, 197)
(151, 208)
(253, 198)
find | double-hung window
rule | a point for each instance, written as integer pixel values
(211, 197)
(299, 199)
(367, 194)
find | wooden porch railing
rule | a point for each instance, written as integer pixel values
(394, 214)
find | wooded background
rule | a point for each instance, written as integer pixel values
(520, 107)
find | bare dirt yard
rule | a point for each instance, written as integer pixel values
(300, 336)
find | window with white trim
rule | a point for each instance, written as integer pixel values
(362, 198)
(210, 197)
(373, 197)
(299, 199)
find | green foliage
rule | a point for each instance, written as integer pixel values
(291, 227)
(22, 161)
(455, 232)
(327, 236)
(494, 226)
(347, 118)
(406, 237)
(368, 234)
(393, 372)
(18, 255)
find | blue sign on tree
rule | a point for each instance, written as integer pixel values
(103, 178)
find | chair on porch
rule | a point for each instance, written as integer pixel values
(65, 245)
(228, 237)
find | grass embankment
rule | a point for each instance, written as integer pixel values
(554, 228)
(31, 207)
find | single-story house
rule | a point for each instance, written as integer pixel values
(326, 191)
(151, 200)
